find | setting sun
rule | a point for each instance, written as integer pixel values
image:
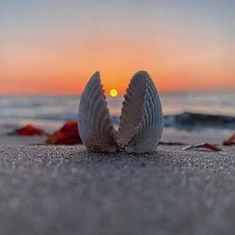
(113, 92)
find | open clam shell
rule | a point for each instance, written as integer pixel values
(141, 121)
(95, 125)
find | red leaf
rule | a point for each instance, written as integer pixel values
(29, 130)
(68, 134)
(203, 145)
(230, 140)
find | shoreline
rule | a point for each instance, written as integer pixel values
(185, 137)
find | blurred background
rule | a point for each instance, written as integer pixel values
(49, 49)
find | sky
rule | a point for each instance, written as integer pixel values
(54, 46)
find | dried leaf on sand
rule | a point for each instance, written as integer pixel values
(28, 130)
(230, 140)
(208, 146)
(68, 134)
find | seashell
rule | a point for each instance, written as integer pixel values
(141, 121)
(95, 125)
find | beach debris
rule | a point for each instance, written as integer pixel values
(67, 135)
(141, 121)
(28, 130)
(230, 140)
(208, 146)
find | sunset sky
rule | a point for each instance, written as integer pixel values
(53, 47)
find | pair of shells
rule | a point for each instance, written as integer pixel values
(141, 121)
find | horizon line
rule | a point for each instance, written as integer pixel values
(121, 93)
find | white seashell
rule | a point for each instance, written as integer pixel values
(95, 125)
(141, 121)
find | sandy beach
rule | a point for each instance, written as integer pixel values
(66, 190)
(117, 77)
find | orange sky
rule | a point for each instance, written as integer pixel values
(58, 55)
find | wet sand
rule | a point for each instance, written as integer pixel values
(66, 190)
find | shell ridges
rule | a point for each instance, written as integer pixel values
(95, 125)
(142, 131)
(141, 121)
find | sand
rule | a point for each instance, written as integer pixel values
(66, 190)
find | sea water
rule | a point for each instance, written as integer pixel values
(53, 111)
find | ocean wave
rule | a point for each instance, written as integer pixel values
(191, 121)
(185, 120)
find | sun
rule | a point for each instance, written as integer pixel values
(113, 92)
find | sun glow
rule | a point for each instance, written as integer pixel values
(113, 92)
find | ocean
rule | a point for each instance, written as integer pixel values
(190, 111)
